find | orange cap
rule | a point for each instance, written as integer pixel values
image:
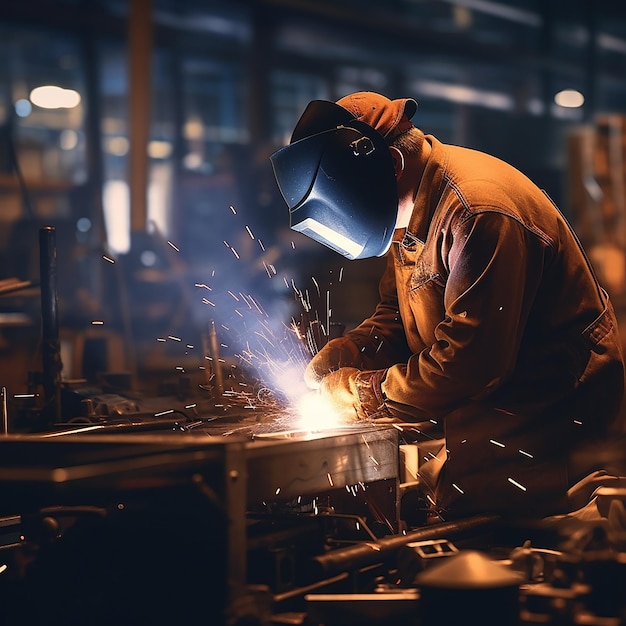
(388, 117)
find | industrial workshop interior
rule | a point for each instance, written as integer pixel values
(162, 460)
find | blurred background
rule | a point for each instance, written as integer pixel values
(141, 130)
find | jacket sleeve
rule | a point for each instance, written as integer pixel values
(381, 337)
(494, 267)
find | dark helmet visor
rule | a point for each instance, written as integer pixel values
(340, 187)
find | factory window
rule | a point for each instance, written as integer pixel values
(213, 110)
(290, 93)
(116, 145)
(41, 121)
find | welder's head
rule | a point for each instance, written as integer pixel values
(337, 175)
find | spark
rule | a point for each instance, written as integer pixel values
(518, 485)
(169, 243)
(235, 253)
(97, 322)
(277, 491)
(190, 346)
(398, 427)
(261, 245)
(245, 300)
(205, 301)
(203, 286)
(578, 422)
(341, 274)
(528, 454)
(109, 259)
(316, 285)
(458, 488)
(164, 413)
(293, 245)
(497, 443)
(249, 232)
(239, 313)
(257, 306)
(161, 339)
(233, 295)
(191, 406)
(374, 461)
(24, 395)
(174, 338)
(330, 479)
(232, 208)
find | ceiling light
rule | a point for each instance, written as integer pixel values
(569, 98)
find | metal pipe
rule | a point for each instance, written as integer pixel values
(366, 553)
(50, 345)
(5, 412)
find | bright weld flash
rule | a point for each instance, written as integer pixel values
(317, 412)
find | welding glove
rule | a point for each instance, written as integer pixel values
(354, 395)
(337, 353)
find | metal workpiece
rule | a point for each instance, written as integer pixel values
(291, 464)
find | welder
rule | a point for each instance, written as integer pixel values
(490, 321)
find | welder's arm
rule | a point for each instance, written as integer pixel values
(377, 342)
(381, 337)
(494, 265)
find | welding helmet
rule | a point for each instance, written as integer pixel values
(338, 180)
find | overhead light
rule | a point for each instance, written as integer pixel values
(569, 98)
(117, 146)
(53, 97)
(159, 149)
(23, 108)
(464, 94)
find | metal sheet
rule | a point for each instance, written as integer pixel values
(296, 464)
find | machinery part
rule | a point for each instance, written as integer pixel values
(345, 559)
(50, 345)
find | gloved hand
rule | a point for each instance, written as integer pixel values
(337, 353)
(354, 395)
(338, 390)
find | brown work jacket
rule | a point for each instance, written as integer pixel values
(492, 323)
